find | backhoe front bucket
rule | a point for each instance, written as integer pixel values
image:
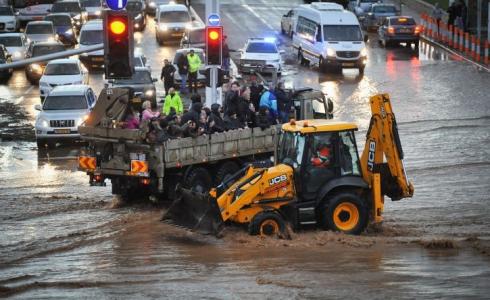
(195, 211)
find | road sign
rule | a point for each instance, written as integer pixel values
(116, 4)
(214, 20)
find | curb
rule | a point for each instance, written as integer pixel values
(452, 51)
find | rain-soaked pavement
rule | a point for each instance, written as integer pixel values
(61, 238)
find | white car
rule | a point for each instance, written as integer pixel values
(58, 72)
(41, 31)
(8, 19)
(185, 51)
(66, 108)
(288, 22)
(16, 44)
(92, 33)
(93, 8)
(171, 21)
(260, 54)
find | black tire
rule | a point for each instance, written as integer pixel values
(226, 170)
(267, 223)
(416, 44)
(198, 180)
(345, 212)
(321, 65)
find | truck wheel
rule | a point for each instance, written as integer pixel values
(226, 170)
(198, 180)
(345, 212)
(267, 223)
(322, 66)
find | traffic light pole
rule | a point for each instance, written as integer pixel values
(212, 7)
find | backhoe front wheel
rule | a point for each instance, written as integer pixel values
(267, 223)
(345, 212)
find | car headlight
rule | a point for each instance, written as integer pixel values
(77, 17)
(69, 32)
(82, 120)
(152, 4)
(188, 26)
(364, 52)
(331, 52)
(163, 27)
(41, 122)
(149, 93)
(17, 54)
(36, 68)
(98, 13)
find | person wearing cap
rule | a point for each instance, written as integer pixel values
(167, 75)
(194, 66)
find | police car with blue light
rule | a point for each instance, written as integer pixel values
(261, 55)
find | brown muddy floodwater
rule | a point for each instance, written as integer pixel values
(60, 238)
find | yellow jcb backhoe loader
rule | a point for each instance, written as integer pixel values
(318, 179)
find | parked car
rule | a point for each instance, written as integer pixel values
(8, 19)
(35, 71)
(137, 10)
(194, 38)
(41, 31)
(363, 6)
(92, 34)
(5, 58)
(16, 44)
(66, 108)
(260, 54)
(58, 72)
(376, 15)
(64, 27)
(140, 82)
(395, 30)
(197, 51)
(93, 8)
(72, 7)
(171, 21)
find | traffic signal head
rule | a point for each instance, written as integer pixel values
(214, 45)
(118, 45)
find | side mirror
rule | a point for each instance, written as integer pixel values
(366, 38)
(38, 107)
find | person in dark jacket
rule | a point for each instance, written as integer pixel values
(246, 110)
(255, 93)
(215, 122)
(183, 66)
(231, 98)
(283, 103)
(193, 114)
(262, 120)
(190, 129)
(167, 75)
(452, 13)
(231, 121)
(174, 128)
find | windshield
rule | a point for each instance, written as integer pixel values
(134, 6)
(342, 33)
(61, 69)
(174, 17)
(59, 20)
(6, 11)
(46, 49)
(384, 9)
(261, 48)
(65, 102)
(291, 148)
(91, 3)
(65, 7)
(349, 158)
(402, 21)
(139, 77)
(91, 37)
(179, 54)
(11, 41)
(197, 36)
(39, 29)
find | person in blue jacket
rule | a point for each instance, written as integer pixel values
(269, 100)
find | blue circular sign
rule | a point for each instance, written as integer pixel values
(213, 19)
(116, 4)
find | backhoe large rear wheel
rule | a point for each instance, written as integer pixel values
(226, 170)
(345, 212)
(267, 223)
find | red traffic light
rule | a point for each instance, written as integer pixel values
(117, 27)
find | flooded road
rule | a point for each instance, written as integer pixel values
(61, 238)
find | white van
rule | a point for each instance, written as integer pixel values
(330, 37)
(171, 21)
(92, 34)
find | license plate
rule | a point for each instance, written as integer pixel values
(348, 64)
(405, 30)
(98, 59)
(62, 131)
(176, 34)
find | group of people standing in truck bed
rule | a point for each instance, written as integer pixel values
(243, 107)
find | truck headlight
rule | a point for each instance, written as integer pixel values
(331, 52)
(149, 93)
(41, 122)
(364, 52)
(98, 13)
